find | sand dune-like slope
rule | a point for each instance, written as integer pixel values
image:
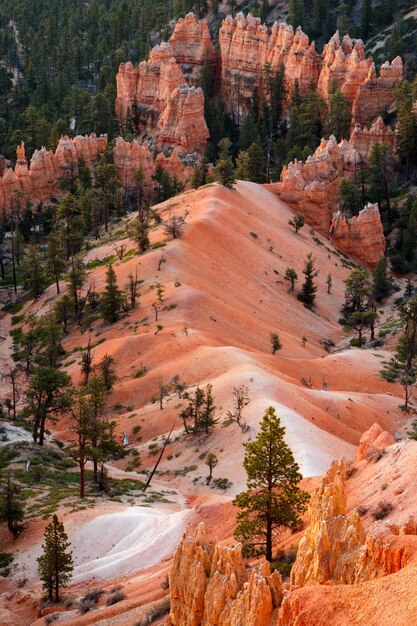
(224, 293)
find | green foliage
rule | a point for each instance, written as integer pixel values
(350, 202)
(307, 295)
(381, 284)
(297, 222)
(273, 502)
(224, 167)
(199, 414)
(11, 510)
(292, 277)
(111, 298)
(275, 342)
(55, 565)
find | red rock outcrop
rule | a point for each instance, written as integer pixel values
(362, 139)
(40, 180)
(165, 109)
(361, 236)
(336, 548)
(131, 157)
(175, 166)
(376, 438)
(344, 62)
(312, 189)
(209, 585)
(376, 94)
(192, 46)
(246, 45)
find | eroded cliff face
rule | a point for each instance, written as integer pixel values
(361, 236)
(210, 586)
(192, 46)
(40, 180)
(246, 45)
(312, 189)
(161, 106)
(335, 547)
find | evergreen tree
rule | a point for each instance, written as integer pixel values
(381, 283)
(211, 461)
(206, 418)
(200, 174)
(55, 258)
(34, 277)
(11, 510)
(292, 277)
(108, 372)
(48, 395)
(224, 166)
(112, 297)
(297, 222)
(350, 198)
(366, 18)
(273, 502)
(275, 342)
(339, 113)
(55, 565)
(308, 291)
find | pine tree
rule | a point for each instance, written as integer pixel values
(55, 565)
(34, 277)
(55, 258)
(350, 198)
(11, 510)
(108, 372)
(297, 222)
(211, 461)
(206, 419)
(48, 395)
(366, 18)
(292, 277)
(308, 291)
(339, 113)
(112, 297)
(381, 284)
(273, 502)
(224, 166)
(256, 163)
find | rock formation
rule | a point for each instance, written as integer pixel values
(376, 438)
(40, 181)
(192, 46)
(209, 585)
(312, 188)
(159, 102)
(335, 546)
(361, 236)
(246, 45)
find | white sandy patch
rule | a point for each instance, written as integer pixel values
(116, 543)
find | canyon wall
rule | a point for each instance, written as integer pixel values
(246, 45)
(192, 46)
(40, 180)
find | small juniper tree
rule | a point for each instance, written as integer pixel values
(329, 283)
(292, 277)
(211, 461)
(55, 565)
(307, 294)
(273, 501)
(108, 373)
(297, 222)
(275, 342)
(224, 167)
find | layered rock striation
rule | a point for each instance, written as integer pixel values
(40, 180)
(192, 47)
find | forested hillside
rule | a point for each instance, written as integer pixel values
(59, 58)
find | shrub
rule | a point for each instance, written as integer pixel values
(222, 483)
(384, 508)
(116, 596)
(362, 510)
